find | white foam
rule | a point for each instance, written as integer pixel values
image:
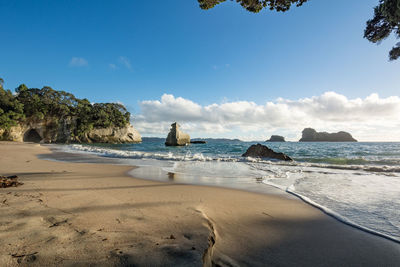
(292, 190)
(107, 152)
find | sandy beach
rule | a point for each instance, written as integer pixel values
(96, 215)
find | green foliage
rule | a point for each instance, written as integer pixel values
(11, 110)
(386, 20)
(47, 103)
(256, 5)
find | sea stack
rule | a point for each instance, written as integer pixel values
(176, 137)
(261, 151)
(311, 135)
(276, 138)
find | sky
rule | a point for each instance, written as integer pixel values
(223, 72)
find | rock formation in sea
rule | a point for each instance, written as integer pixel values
(276, 138)
(52, 130)
(198, 141)
(311, 135)
(176, 137)
(261, 151)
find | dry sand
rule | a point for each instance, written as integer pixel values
(94, 214)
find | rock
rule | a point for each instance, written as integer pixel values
(311, 135)
(198, 142)
(8, 181)
(260, 151)
(127, 134)
(53, 130)
(276, 138)
(176, 137)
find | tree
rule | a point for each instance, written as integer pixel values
(11, 110)
(256, 5)
(386, 18)
(386, 21)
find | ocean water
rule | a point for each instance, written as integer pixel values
(358, 183)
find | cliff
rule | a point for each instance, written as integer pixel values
(52, 130)
(50, 116)
(276, 138)
(311, 135)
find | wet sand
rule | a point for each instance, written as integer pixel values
(84, 214)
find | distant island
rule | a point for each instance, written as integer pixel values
(276, 138)
(50, 116)
(311, 135)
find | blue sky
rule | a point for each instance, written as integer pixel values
(131, 51)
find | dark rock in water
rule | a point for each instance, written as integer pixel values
(197, 142)
(260, 151)
(276, 138)
(310, 135)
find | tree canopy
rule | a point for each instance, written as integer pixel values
(386, 18)
(47, 103)
(256, 5)
(11, 110)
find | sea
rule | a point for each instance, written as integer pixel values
(357, 183)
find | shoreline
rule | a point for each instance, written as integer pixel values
(142, 172)
(165, 220)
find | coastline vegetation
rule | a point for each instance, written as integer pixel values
(33, 104)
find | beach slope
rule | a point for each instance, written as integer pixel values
(94, 214)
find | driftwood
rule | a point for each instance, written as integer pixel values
(15, 255)
(9, 181)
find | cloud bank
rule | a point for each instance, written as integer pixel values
(369, 119)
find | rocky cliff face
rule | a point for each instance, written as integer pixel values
(176, 137)
(310, 135)
(52, 131)
(127, 134)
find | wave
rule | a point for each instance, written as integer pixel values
(107, 152)
(291, 190)
(319, 163)
(352, 161)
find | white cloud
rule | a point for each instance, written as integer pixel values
(125, 62)
(112, 66)
(371, 118)
(78, 62)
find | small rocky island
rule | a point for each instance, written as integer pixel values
(276, 138)
(50, 116)
(176, 137)
(261, 151)
(311, 135)
(198, 142)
